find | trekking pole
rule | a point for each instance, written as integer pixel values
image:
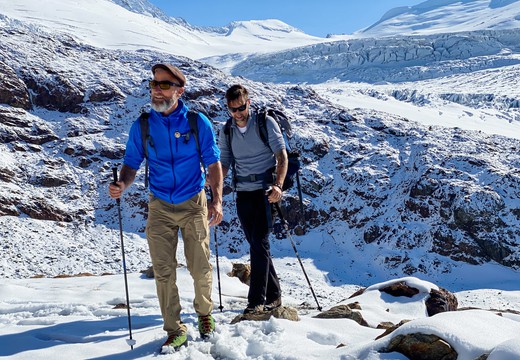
(130, 341)
(286, 226)
(216, 254)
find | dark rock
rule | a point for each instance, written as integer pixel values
(113, 153)
(389, 327)
(357, 293)
(16, 125)
(53, 181)
(419, 346)
(342, 312)
(372, 234)
(8, 206)
(281, 312)
(321, 149)
(84, 162)
(39, 209)
(148, 272)
(400, 289)
(120, 306)
(441, 301)
(105, 92)
(13, 91)
(55, 91)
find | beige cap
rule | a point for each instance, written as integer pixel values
(175, 71)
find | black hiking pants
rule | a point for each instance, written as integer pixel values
(253, 210)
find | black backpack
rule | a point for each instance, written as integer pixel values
(146, 138)
(293, 157)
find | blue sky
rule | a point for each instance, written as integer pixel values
(317, 18)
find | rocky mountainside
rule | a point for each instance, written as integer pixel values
(381, 193)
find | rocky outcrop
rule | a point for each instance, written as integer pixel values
(13, 91)
(16, 126)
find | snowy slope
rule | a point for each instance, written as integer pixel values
(446, 16)
(93, 22)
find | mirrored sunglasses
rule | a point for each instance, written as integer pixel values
(235, 109)
(163, 85)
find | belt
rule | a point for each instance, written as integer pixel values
(256, 177)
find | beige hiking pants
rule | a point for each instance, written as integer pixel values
(162, 229)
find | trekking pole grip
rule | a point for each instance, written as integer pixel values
(114, 174)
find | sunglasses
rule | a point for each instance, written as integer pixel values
(235, 109)
(163, 85)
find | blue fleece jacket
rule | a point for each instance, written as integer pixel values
(175, 172)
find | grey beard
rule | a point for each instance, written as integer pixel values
(163, 106)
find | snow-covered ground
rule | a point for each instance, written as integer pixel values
(74, 318)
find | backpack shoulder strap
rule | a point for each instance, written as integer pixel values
(194, 126)
(193, 118)
(262, 125)
(227, 126)
(227, 131)
(145, 131)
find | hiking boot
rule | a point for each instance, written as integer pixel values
(174, 342)
(206, 326)
(273, 305)
(250, 309)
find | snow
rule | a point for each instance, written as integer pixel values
(75, 318)
(45, 318)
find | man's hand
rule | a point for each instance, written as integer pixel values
(274, 194)
(214, 212)
(214, 177)
(116, 190)
(126, 178)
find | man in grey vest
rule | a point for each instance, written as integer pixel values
(258, 174)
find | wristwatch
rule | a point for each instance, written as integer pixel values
(278, 186)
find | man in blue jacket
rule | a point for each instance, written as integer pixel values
(259, 172)
(177, 199)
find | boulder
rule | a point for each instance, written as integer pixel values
(343, 312)
(441, 301)
(282, 312)
(420, 346)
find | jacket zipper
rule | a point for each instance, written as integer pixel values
(173, 162)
